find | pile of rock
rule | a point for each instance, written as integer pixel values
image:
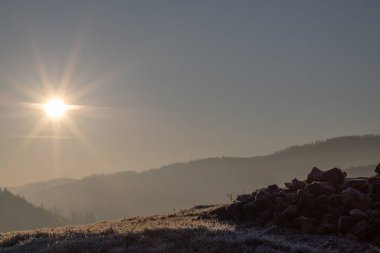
(326, 202)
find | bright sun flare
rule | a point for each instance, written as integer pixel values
(55, 108)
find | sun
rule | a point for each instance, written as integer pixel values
(55, 108)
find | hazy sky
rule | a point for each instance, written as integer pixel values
(167, 81)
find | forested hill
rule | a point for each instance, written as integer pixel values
(18, 214)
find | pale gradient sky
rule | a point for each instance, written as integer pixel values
(178, 80)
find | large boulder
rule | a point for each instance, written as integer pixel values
(355, 199)
(359, 229)
(298, 184)
(264, 195)
(245, 197)
(358, 215)
(291, 197)
(306, 224)
(374, 183)
(266, 214)
(255, 206)
(273, 187)
(375, 217)
(377, 169)
(360, 184)
(295, 185)
(327, 224)
(231, 211)
(334, 199)
(314, 175)
(334, 176)
(344, 224)
(319, 188)
(290, 212)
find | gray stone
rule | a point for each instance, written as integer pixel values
(231, 211)
(263, 195)
(298, 184)
(333, 176)
(279, 200)
(319, 188)
(370, 189)
(358, 214)
(291, 197)
(359, 229)
(377, 169)
(272, 188)
(289, 185)
(344, 223)
(266, 214)
(355, 199)
(255, 207)
(245, 197)
(375, 185)
(360, 184)
(290, 212)
(351, 237)
(334, 199)
(306, 224)
(314, 175)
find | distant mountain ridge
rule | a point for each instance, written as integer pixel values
(361, 171)
(182, 185)
(38, 186)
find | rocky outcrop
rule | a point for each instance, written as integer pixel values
(326, 202)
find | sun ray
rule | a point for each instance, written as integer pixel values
(70, 67)
(56, 92)
(24, 87)
(96, 84)
(57, 151)
(75, 130)
(27, 141)
(42, 73)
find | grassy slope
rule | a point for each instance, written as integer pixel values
(184, 231)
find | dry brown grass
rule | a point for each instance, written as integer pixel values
(185, 231)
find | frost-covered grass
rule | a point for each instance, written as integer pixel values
(184, 231)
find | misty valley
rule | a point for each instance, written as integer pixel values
(177, 186)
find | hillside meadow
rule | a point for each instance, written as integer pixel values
(183, 231)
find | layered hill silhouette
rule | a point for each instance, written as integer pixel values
(361, 171)
(211, 180)
(18, 214)
(33, 188)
